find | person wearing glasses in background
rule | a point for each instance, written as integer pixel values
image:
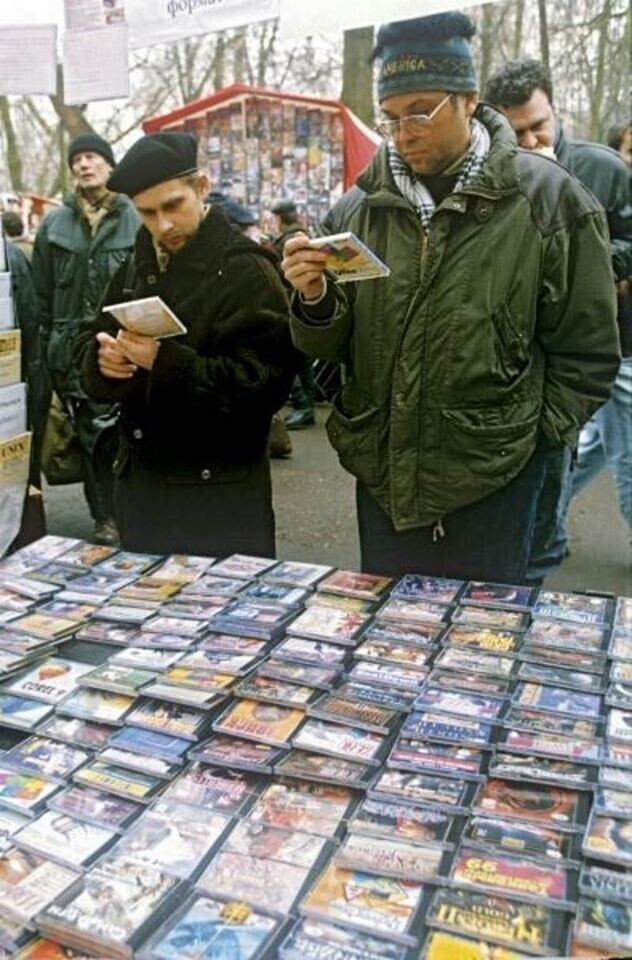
(492, 339)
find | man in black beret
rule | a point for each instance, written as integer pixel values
(77, 249)
(492, 338)
(192, 468)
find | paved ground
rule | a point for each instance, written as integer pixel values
(314, 503)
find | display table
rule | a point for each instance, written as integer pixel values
(248, 758)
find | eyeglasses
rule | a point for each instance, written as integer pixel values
(414, 123)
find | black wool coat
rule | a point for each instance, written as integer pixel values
(206, 405)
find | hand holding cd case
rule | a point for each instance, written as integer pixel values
(349, 259)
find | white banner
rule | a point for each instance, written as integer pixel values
(161, 21)
(28, 59)
(331, 16)
(96, 64)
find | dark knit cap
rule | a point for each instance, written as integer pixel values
(426, 53)
(90, 143)
(154, 159)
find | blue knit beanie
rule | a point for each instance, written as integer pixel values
(426, 53)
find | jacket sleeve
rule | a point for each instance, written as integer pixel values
(86, 350)
(43, 279)
(26, 314)
(576, 327)
(252, 361)
(619, 215)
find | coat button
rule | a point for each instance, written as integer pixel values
(137, 434)
(205, 474)
(151, 278)
(484, 210)
(399, 400)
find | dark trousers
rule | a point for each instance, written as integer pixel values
(487, 540)
(303, 394)
(98, 450)
(229, 511)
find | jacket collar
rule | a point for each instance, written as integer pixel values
(561, 145)
(498, 175)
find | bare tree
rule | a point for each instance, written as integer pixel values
(544, 34)
(357, 73)
(14, 160)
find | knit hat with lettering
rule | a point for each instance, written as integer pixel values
(426, 53)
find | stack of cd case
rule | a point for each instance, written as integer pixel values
(284, 760)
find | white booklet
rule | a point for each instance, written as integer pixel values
(150, 317)
(350, 259)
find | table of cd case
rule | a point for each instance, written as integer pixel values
(252, 758)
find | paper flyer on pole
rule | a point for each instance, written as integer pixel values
(96, 64)
(28, 59)
(87, 14)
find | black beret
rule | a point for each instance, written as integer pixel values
(285, 208)
(154, 159)
(90, 143)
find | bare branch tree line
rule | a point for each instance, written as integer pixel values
(586, 43)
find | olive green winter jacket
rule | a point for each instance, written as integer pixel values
(496, 329)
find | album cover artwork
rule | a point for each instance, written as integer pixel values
(208, 929)
(380, 905)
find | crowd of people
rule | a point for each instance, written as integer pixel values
(487, 378)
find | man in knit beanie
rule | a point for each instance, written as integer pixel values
(492, 338)
(77, 249)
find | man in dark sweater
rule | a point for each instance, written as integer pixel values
(523, 91)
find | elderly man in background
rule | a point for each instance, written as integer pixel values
(78, 248)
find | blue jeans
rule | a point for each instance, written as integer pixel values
(605, 441)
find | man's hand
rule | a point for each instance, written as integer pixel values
(139, 350)
(304, 267)
(112, 361)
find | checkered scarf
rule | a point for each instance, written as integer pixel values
(412, 187)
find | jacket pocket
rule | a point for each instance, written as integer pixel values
(355, 440)
(60, 345)
(511, 347)
(485, 443)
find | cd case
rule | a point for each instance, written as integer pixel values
(350, 259)
(149, 317)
